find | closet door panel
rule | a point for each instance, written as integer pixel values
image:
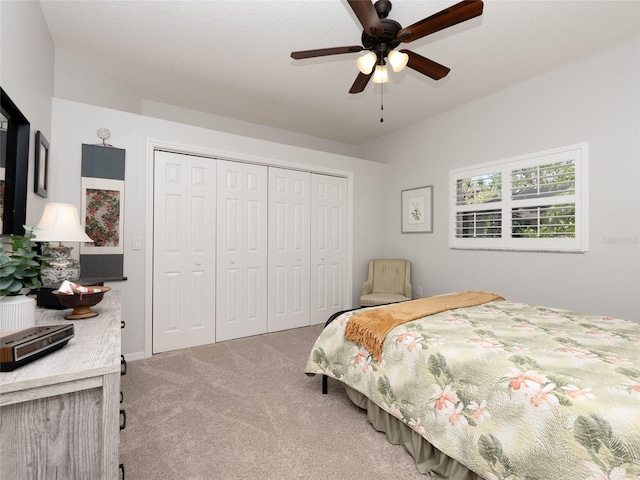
(184, 251)
(241, 309)
(289, 248)
(328, 246)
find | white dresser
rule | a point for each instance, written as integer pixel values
(59, 415)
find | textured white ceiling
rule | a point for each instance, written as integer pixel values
(232, 57)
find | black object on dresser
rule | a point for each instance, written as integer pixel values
(29, 344)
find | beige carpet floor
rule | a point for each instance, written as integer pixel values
(244, 409)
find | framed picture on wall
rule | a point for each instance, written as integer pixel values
(416, 211)
(103, 203)
(41, 171)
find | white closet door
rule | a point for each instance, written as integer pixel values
(184, 251)
(241, 307)
(328, 246)
(289, 244)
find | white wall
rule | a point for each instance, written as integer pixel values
(26, 75)
(77, 123)
(596, 100)
(246, 129)
(76, 81)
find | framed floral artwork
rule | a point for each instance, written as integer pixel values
(417, 210)
(103, 203)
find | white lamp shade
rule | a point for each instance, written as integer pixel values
(398, 60)
(380, 75)
(366, 62)
(60, 223)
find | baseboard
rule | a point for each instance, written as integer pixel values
(130, 357)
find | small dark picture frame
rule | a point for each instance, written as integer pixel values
(41, 172)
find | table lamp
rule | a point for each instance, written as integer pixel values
(60, 223)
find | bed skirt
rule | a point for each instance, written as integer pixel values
(429, 460)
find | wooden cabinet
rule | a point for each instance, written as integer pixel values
(59, 415)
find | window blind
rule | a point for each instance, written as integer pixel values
(534, 202)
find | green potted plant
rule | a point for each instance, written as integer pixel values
(19, 274)
(19, 264)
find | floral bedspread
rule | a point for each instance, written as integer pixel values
(512, 391)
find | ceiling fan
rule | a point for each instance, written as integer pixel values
(382, 36)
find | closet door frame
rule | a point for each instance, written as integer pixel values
(153, 145)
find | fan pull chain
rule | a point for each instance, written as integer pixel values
(381, 103)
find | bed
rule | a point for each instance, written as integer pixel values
(500, 390)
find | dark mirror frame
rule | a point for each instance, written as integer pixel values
(14, 212)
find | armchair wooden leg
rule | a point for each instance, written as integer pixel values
(324, 384)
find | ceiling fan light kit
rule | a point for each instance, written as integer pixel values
(380, 75)
(366, 62)
(398, 60)
(382, 36)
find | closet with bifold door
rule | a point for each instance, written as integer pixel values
(242, 249)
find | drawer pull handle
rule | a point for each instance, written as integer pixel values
(123, 419)
(123, 365)
(122, 324)
(121, 396)
(121, 467)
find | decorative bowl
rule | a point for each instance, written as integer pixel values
(81, 302)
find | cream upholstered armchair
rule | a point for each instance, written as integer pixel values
(389, 281)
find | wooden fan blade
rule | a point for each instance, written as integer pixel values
(368, 16)
(325, 51)
(425, 66)
(458, 13)
(360, 83)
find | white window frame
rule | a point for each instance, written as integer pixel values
(579, 244)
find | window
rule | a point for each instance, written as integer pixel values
(535, 202)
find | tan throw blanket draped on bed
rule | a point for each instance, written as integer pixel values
(370, 327)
